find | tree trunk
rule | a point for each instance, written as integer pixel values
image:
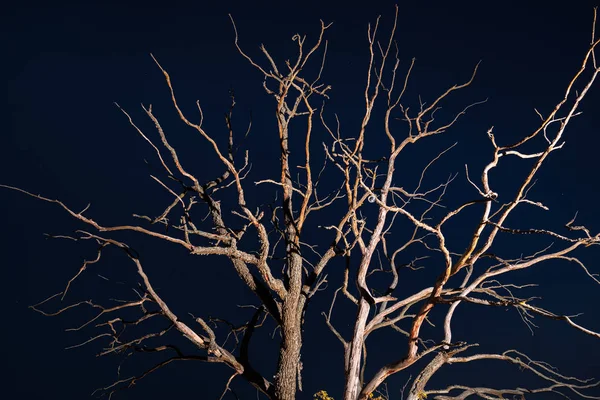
(286, 379)
(287, 370)
(352, 389)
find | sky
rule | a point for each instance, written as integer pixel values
(67, 63)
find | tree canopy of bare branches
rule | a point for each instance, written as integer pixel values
(386, 220)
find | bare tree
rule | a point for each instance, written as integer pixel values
(256, 241)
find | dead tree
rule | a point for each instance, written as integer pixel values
(475, 275)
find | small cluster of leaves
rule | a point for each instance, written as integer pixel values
(323, 395)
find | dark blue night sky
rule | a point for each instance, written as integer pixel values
(66, 64)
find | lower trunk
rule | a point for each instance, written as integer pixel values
(352, 389)
(288, 368)
(287, 371)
